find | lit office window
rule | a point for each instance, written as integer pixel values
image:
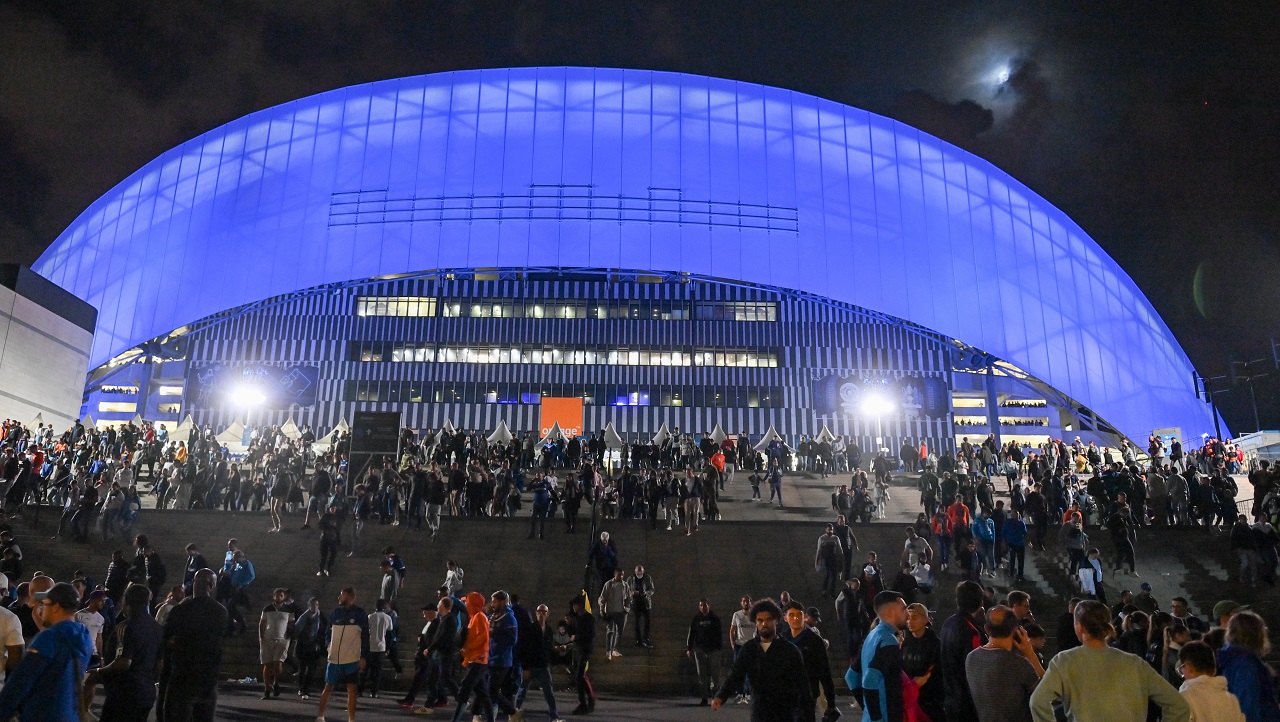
(403, 306)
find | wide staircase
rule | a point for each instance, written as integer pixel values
(720, 563)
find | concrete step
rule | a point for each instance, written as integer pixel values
(720, 563)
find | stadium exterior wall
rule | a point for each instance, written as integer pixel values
(545, 167)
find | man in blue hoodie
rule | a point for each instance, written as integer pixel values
(46, 683)
(504, 632)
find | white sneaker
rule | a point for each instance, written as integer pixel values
(616, 653)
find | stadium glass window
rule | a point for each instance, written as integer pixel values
(169, 408)
(170, 391)
(403, 306)
(117, 407)
(735, 311)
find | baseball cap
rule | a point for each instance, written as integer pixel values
(97, 594)
(62, 594)
(814, 613)
(1146, 586)
(4, 581)
(1227, 607)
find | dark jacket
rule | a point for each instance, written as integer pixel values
(814, 651)
(779, 690)
(960, 635)
(704, 632)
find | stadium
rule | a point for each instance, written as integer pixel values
(667, 248)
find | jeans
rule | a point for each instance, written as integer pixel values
(691, 513)
(308, 662)
(372, 675)
(541, 675)
(708, 663)
(538, 522)
(988, 549)
(944, 548)
(641, 611)
(433, 517)
(1248, 565)
(190, 705)
(498, 677)
(476, 680)
(586, 693)
(1017, 558)
(328, 553)
(746, 681)
(1124, 553)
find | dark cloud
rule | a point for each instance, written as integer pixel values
(1155, 132)
(960, 123)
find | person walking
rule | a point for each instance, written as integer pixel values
(348, 652)
(310, 630)
(1005, 671)
(273, 641)
(330, 539)
(881, 659)
(46, 684)
(583, 637)
(1095, 681)
(193, 636)
(702, 645)
(131, 657)
(612, 604)
(829, 559)
(380, 624)
(504, 634)
(813, 649)
(742, 629)
(536, 662)
(775, 669)
(641, 587)
(961, 634)
(541, 506)
(475, 659)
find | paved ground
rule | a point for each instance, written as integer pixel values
(245, 705)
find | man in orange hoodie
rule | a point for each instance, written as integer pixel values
(475, 659)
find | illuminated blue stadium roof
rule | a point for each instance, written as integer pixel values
(607, 168)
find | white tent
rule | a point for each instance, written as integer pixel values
(501, 435)
(88, 422)
(37, 422)
(233, 435)
(825, 434)
(323, 442)
(553, 434)
(718, 435)
(661, 437)
(137, 420)
(290, 429)
(449, 427)
(183, 430)
(611, 437)
(768, 438)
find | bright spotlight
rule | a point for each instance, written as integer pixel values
(876, 405)
(247, 396)
(1002, 75)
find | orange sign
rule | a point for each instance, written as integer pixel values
(565, 411)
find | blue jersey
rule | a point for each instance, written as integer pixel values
(881, 676)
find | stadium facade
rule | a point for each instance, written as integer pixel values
(669, 248)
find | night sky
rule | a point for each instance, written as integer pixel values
(1158, 133)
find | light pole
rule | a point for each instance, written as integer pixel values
(877, 406)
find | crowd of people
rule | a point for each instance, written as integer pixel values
(487, 651)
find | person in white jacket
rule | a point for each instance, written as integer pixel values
(1203, 689)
